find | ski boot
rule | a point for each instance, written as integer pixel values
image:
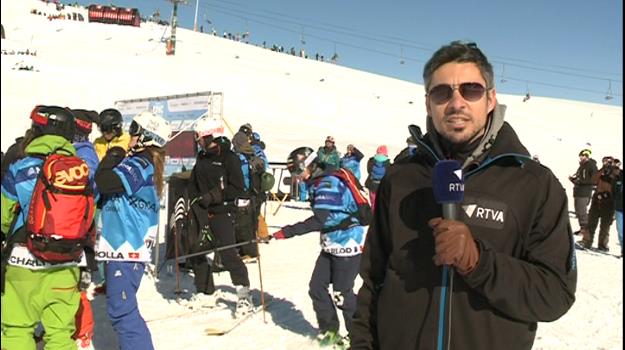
(244, 303)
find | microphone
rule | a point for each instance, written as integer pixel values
(448, 186)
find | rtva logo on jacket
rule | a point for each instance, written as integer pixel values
(482, 212)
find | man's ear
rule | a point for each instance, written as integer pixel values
(492, 99)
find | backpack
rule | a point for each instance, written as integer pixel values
(61, 210)
(378, 170)
(363, 213)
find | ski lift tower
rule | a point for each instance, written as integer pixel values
(171, 43)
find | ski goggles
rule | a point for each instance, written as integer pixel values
(469, 91)
(135, 129)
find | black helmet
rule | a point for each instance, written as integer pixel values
(54, 120)
(111, 121)
(296, 161)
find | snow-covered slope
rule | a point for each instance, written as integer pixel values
(291, 102)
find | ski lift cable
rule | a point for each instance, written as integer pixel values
(369, 49)
(351, 32)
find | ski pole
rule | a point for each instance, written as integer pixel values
(205, 252)
(260, 277)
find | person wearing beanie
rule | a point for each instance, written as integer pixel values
(582, 188)
(329, 155)
(241, 140)
(376, 168)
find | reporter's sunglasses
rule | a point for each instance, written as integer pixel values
(469, 91)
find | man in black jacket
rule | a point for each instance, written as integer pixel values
(511, 249)
(582, 188)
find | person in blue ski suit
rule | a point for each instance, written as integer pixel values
(342, 239)
(351, 160)
(130, 186)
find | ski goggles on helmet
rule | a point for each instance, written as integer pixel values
(470, 91)
(135, 129)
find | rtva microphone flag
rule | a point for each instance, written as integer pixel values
(448, 182)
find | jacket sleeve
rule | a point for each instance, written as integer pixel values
(373, 264)
(313, 223)
(541, 286)
(357, 154)
(107, 181)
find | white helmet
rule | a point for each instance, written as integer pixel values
(209, 126)
(153, 130)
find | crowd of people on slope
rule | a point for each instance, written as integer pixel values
(407, 258)
(602, 189)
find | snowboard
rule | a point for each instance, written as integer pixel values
(227, 325)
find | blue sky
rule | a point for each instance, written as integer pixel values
(568, 49)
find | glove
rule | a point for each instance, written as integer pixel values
(211, 197)
(85, 280)
(113, 157)
(454, 245)
(278, 235)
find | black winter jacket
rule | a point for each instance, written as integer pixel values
(582, 180)
(217, 170)
(517, 212)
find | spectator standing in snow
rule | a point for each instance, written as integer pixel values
(582, 188)
(342, 238)
(351, 160)
(130, 186)
(512, 270)
(329, 155)
(376, 167)
(601, 211)
(408, 152)
(216, 182)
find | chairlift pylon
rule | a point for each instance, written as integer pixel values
(401, 55)
(608, 95)
(503, 74)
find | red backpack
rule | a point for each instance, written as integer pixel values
(61, 210)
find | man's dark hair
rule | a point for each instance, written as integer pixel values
(460, 52)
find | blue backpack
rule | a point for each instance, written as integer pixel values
(245, 168)
(378, 170)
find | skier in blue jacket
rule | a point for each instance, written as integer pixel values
(342, 239)
(130, 186)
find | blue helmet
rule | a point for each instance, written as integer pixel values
(255, 136)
